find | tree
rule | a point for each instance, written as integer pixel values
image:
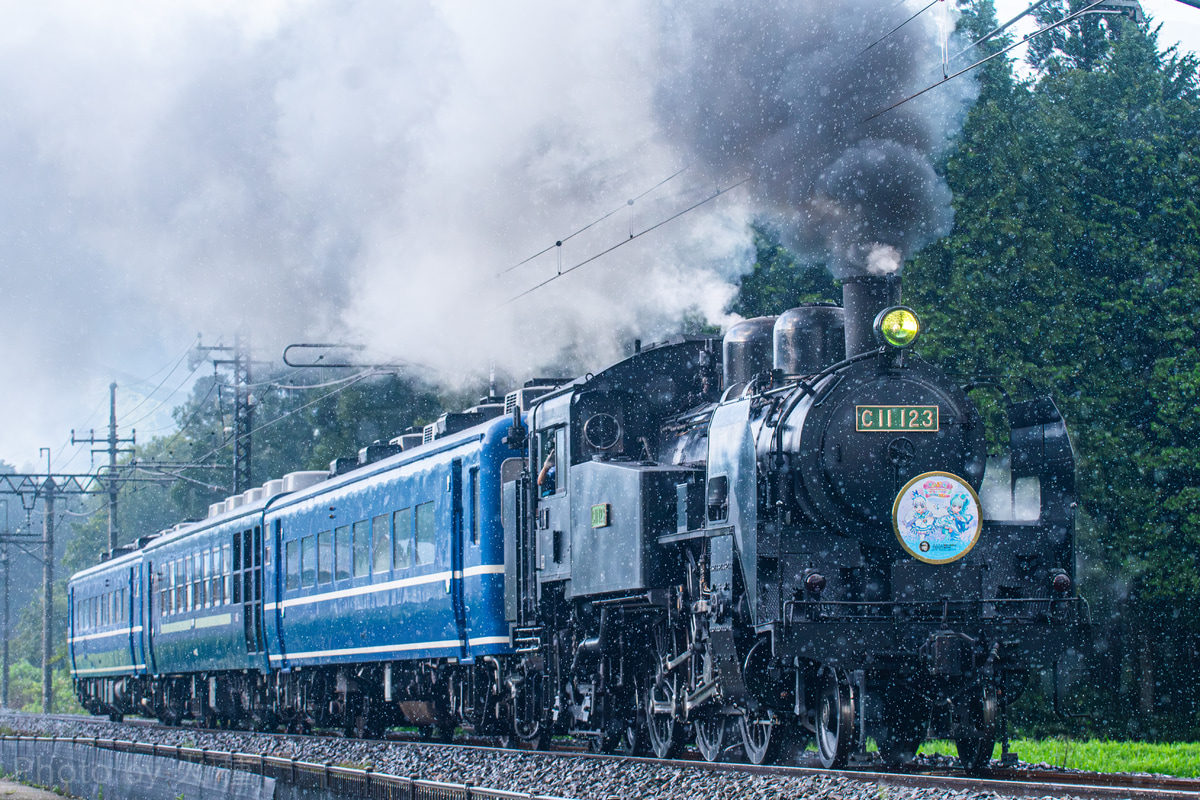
(1072, 265)
(777, 281)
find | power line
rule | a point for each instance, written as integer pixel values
(191, 419)
(284, 416)
(982, 61)
(932, 3)
(593, 223)
(174, 367)
(163, 402)
(323, 385)
(624, 242)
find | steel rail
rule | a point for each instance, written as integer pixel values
(1001, 780)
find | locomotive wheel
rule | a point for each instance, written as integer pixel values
(835, 718)
(665, 732)
(711, 730)
(622, 738)
(617, 719)
(762, 736)
(976, 736)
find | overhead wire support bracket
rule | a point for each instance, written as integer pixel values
(333, 348)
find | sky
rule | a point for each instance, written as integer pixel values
(399, 175)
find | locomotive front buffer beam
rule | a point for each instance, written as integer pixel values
(950, 647)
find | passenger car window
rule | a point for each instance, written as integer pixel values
(362, 548)
(426, 544)
(201, 579)
(308, 561)
(381, 544)
(324, 557)
(216, 583)
(227, 561)
(341, 543)
(402, 542)
(189, 575)
(475, 505)
(293, 565)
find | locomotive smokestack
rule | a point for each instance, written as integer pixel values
(863, 297)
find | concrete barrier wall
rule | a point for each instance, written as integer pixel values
(100, 774)
(112, 768)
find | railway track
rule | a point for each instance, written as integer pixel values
(924, 781)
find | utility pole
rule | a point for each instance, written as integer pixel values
(243, 415)
(4, 561)
(113, 441)
(48, 596)
(243, 406)
(49, 487)
(47, 586)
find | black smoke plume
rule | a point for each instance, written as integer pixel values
(780, 91)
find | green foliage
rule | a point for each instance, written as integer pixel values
(1097, 755)
(1072, 265)
(778, 282)
(25, 689)
(299, 422)
(1081, 44)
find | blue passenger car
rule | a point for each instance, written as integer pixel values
(105, 629)
(312, 600)
(400, 561)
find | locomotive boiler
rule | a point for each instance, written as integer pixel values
(795, 532)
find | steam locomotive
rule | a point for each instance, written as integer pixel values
(795, 533)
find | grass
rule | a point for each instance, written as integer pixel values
(1182, 760)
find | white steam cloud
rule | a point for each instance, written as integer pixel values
(312, 170)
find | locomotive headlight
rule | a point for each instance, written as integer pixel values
(897, 326)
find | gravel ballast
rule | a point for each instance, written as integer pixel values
(566, 776)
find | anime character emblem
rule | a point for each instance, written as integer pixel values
(936, 517)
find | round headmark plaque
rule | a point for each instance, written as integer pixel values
(937, 517)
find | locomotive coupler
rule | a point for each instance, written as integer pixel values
(948, 653)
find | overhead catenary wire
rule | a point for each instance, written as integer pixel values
(190, 420)
(75, 453)
(624, 242)
(558, 243)
(302, 387)
(281, 417)
(999, 29)
(174, 366)
(163, 402)
(932, 3)
(1069, 18)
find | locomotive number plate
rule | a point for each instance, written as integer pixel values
(896, 418)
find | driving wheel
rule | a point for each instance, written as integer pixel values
(835, 718)
(976, 737)
(711, 731)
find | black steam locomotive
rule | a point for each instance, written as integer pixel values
(801, 536)
(795, 533)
